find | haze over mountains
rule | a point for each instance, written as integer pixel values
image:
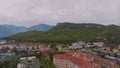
(70, 32)
(7, 30)
(40, 27)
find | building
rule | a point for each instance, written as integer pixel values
(99, 44)
(7, 54)
(20, 65)
(95, 59)
(3, 42)
(77, 45)
(80, 43)
(28, 62)
(82, 60)
(43, 47)
(67, 61)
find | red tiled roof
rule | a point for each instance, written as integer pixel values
(99, 59)
(80, 62)
(94, 56)
(83, 59)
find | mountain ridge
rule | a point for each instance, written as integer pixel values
(8, 30)
(40, 27)
(69, 32)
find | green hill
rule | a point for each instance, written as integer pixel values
(69, 32)
(26, 36)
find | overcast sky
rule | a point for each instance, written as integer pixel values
(31, 12)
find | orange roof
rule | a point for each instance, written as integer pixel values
(82, 59)
(87, 55)
(94, 56)
(80, 62)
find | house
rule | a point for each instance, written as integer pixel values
(107, 48)
(45, 48)
(99, 44)
(115, 51)
(80, 43)
(3, 42)
(110, 58)
(28, 62)
(7, 54)
(60, 48)
(77, 45)
(20, 65)
(88, 45)
(119, 47)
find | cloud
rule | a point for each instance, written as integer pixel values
(29, 12)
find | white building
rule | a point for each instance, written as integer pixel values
(20, 65)
(99, 44)
(3, 41)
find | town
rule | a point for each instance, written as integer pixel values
(59, 33)
(75, 55)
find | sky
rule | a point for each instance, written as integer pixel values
(31, 12)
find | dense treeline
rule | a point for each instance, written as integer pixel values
(9, 64)
(45, 63)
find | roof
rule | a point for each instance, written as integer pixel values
(83, 59)
(88, 55)
(79, 62)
